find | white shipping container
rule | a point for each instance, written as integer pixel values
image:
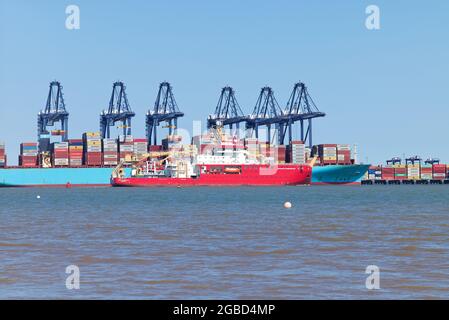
(343, 146)
(61, 162)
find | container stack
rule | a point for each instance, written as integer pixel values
(265, 149)
(327, 153)
(126, 147)
(400, 172)
(75, 152)
(426, 172)
(374, 173)
(252, 146)
(227, 146)
(388, 173)
(92, 149)
(439, 171)
(60, 153)
(344, 154)
(279, 154)
(140, 148)
(297, 152)
(413, 172)
(110, 152)
(204, 143)
(28, 154)
(2, 155)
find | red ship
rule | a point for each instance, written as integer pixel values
(220, 175)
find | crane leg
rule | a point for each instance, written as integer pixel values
(310, 133)
(269, 133)
(149, 133)
(128, 127)
(155, 133)
(290, 133)
(108, 130)
(66, 129)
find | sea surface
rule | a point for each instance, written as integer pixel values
(225, 243)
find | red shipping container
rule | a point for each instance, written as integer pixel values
(439, 168)
(27, 161)
(155, 148)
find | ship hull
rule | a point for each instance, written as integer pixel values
(281, 175)
(339, 174)
(55, 177)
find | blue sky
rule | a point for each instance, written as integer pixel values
(385, 90)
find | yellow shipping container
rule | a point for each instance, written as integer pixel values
(92, 134)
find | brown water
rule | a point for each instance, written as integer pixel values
(225, 243)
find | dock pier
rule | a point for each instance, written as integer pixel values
(399, 182)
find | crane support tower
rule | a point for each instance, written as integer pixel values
(227, 112)
(119, 111)
(165, 109)
(266, 112)
(300, 107)
(53, 112)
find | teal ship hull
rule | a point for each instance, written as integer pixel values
(64, 177)
(339, 174)
(55, 177)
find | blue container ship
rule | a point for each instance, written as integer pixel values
(91, 177)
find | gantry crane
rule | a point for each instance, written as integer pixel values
(300, 107)
(165, 109)
(394, 161)
(119, 111)
(265, 113)
(432, 161)
(413, 160)
(227, 112)
(53, 112)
